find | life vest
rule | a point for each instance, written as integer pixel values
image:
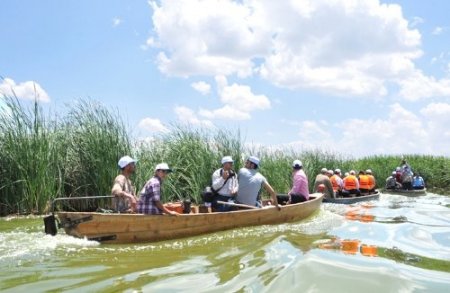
(371, 181)
(364, 182)
(350, 182)
(418, 181)
(334, 182)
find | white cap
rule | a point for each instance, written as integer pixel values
(163, 166)
(394, 173)
(352, 172)
(330, 172)
(227, 159)
(337, 171)
(297, 163)
(398, 169)
(346, 174)
(324, 170)
(254, 160)
(369, 171)
(124, 161)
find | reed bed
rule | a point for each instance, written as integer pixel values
(43, 157)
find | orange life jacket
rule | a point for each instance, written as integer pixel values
(371, 181)
(350, 182)
(364, 182)
(334, 182)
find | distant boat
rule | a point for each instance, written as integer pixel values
(411, 193)
(133, 228)
(350, 200)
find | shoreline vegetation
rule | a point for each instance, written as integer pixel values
(44, 157)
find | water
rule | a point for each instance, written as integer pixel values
(409, 240)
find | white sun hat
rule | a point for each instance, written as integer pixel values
(297, 163)
(227, 159)
(125, 161)
(163, 166)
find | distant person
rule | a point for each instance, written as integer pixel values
(351, 185)
(250, 182)
(150, 199)
(407, 179)
(337, 182)
(225, 184)
(405, 167)
(364, 183)
(418, 182)
(398, 174)
(124, 200)
(392, 183)
(323, 178)
(372, 180)
(299, 191)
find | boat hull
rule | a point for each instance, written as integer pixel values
(134, 228)
(350, 200)
(410, 193)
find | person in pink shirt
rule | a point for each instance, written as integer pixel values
(299, 191)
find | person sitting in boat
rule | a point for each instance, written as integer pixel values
(150, 198)
(364, 183)
(392, 183)
(250, 182)
(418, 182)
(225, 184)
(124, 200)
(337, 182)
(407, 178)
(323, 178)
(351, 185)
(299, 191)
(372, 181)
(398, 174)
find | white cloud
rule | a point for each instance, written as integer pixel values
(28, 90)
(202, 87)
(238, 100)
(398, 131)
(152, 125)
(293, 44)
(116, 21)
(437, 30)
(417, 86)
(188, 116)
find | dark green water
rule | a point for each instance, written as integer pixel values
(411, 235)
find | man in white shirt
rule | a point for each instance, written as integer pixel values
(225, 184)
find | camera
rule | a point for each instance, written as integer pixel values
(231, 173)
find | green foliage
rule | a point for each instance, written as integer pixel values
(42, 157)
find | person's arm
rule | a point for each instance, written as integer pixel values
(164, 209)
(118, 191)
(217, 180)
(272, 193)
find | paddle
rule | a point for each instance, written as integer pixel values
(239, 205)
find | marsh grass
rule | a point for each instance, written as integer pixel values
(42, 157)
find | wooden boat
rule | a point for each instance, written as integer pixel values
(133, 228)
(350, 200)
(411, 193)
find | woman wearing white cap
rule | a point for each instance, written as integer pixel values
(150, 199)
(250, 183)
(225, 184)
(124, 200)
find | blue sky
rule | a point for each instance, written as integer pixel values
(356, 77)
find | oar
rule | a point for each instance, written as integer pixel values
(239, 205)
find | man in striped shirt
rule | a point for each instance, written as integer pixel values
(150, 199)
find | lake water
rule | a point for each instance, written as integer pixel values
(396, 244)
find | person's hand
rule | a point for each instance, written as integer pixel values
(132, 198)
(225, 174)
(279, 207)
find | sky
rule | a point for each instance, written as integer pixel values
(356, 77)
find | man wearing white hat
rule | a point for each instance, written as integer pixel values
(299, 191)
(250, 183)
(124, 200)
(323, 179)
(225, 184)
(150, 199)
